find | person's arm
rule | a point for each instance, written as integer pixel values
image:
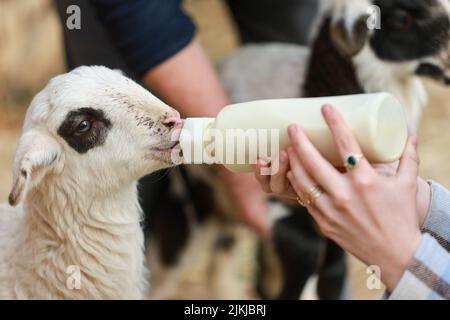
(188, 82)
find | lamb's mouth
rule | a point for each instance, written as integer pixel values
(167, 153)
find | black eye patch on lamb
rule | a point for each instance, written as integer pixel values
(83, 142)
(427, 35)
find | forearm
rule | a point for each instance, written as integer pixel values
(188, 82)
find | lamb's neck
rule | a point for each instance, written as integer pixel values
(68, 229)
(395, 78)
(329, 73)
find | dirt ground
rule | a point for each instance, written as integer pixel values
(22, 74)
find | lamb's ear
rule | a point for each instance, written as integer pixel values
(349, 37)
(36, 155)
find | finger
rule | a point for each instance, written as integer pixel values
(387, 170)
(319, 218)
(264, 180)
(296, 186)
(409, 163)
(314, 163)
(323, 205)
(344, 138)
(278, 182)
(323, 209)
(302, 182)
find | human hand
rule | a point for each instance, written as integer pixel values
(372, 216)
(279, 185)
(276, 183)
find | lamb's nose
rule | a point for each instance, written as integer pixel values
(172, 122)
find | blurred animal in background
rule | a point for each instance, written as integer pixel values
(193, 227)
(88, 137)
(345, 57)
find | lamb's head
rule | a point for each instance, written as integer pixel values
(96, 128)
(411, 33)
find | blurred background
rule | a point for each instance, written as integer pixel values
(31, 52)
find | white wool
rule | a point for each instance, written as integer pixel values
(264, 72)
(351, 10)
(81, 210)
(396, 78)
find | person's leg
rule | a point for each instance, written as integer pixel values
(332, 283)
(273, 20)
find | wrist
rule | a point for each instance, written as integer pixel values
(397, 265)
(423, 200)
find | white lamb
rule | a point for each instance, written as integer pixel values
(88, 136)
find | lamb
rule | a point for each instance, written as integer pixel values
(346, 57)
(87, 138)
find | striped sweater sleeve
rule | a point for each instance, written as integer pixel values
(437, 223)
(428, 273)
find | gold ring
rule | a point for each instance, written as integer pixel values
(314, 194)
(302, 203)
(352, 160)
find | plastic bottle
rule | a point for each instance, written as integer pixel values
(377, 120)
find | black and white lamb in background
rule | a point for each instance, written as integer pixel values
(346, 57)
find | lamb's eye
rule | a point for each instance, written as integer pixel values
(400, 20)
(84, 126)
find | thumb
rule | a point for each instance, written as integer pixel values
(409, 163)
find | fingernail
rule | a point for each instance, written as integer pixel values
(261, 163)
(289, 175)
(327, 110)
(415, 141)
(293, 130)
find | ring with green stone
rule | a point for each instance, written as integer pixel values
(353, 160)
